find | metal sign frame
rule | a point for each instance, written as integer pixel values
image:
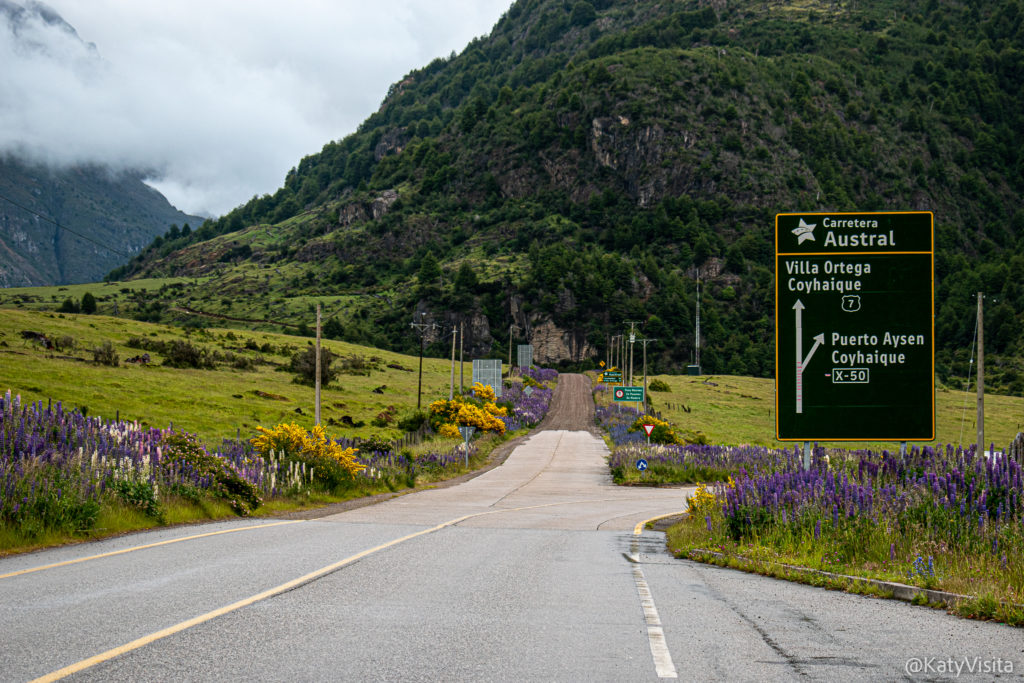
(855, 326)
(487, 371)
(524, 355)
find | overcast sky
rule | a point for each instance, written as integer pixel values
(219, 97)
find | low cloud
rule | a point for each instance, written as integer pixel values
(215, 99)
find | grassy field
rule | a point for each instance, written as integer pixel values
(741, 410)
(214, 404)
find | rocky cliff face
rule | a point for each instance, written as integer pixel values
(107, 217)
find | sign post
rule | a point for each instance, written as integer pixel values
(467, 434)
(854, 327)
(648, 429)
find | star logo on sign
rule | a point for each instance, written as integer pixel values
(804, 231)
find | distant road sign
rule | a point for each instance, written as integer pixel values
(641, 464)
(488, 373)
(628, 394)
(524, 355)
(854, 326)
(648, 429)
(611, 376)
(467, 432)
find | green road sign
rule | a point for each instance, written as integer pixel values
(854, 326)
(611, 376)
(628, 394)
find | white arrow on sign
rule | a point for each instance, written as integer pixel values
(801, 361)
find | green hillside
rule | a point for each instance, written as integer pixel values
(586, 162)
(229, 383)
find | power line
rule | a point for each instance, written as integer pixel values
(64, 227)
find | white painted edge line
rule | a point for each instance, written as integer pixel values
(663, 664)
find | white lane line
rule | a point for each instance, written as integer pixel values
(663, 663)
(143, 547)
(655, 635)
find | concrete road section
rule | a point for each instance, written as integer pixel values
(530, 571)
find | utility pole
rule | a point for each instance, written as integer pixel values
(317, 409)
(696, 345)
(632, 339)
(510, 326)
(462, 338)
(981, 377)
(645, 342)
(422, 328)
(451, 383)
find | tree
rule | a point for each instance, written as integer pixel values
(465, 278)
(333, 329)
(88, 303)
(582, 14)
(303, 364)
(430, 271)
(69, 306)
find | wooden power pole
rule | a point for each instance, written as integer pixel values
(317, 409)
(981, 377)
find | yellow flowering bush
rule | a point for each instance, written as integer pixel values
(702, 503)
(471, 415)
(483, 392)
(663, 431)
(314, 447)
(449, 431)
(447, 416)
(496, 410)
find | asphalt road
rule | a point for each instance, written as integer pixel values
(531, 571)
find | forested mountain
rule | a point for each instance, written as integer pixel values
(109, 215)
(587, 161)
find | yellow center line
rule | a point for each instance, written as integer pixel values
(271, 592)
(639, 528)
(143, 547)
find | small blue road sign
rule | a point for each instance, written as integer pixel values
(641, 464)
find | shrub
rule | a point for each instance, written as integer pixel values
(334, 467)
(88, 303)
(410, 423)
(104, 354)
(303, 364)
(662, 433)
(183, 354)
(374, 444)
(184, 452)
(140, 494)
(65, 343)
(358, 365)
(658, 385)
(69, 306)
